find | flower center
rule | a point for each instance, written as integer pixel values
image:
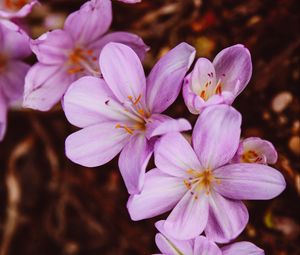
(137, 115)
(14, 4)
(3, 62)
(250, 156)
(81, 61)
(199, 181)
(208, 90)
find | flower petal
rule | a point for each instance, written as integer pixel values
(90, 22)
(45, 86)
(88, 102)
(234, 68)
(216, 135)
(52, 48)
(133, 41)
(95, 145)
(12, 80)
(3, 113)
(130, 1)
(189, 217)
(227, 218)
(160, 124)
(165, 79)
(26, 9)
(160, 194)
(204, 246)
(132, 164)
(15, 41)
(255, 150)
(174, 155)
(242, 248)
(249, 181)
(123, 72)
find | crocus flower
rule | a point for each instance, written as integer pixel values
(200, 245)
(123, 111)
(204, 190)
(219, 82)
(255, 150)
(16, 8)
(68, 54)
(14, 46)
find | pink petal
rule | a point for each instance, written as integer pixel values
(165, 79)
(45, 86)
(227, 218)
(264, 151)
(15, 42)
(249, 181)
(234, 68)
(3, 113)
(52, 48)
(160, 194)
(24, 11)
(87, 102)
(95, 145)
(160, 124)
(189, 217)
(132, 164)
(174, 155)
(123, 72)
(204, 246)
(133, 41)
(130, 1)
(12, 80)
(90, 22)
(169, 245)
(242, 248)
(216, 135)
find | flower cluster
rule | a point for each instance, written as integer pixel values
(99, 78)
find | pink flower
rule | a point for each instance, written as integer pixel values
(16, 8)
(130, 1)
(255, 150)
(200, 245)
(219, 82)
(14, 46)
(68, 54)
(123, 111)
(204, 190)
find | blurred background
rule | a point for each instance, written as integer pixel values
(51, 206)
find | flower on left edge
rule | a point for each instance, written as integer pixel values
(14, 46)
(123, 111)
(67, 54)
(200, 245)
(201, 185)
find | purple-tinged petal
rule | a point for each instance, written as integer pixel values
(132, 164)
(169, 245)
(12, 80)
(160, 124)
(233, 68)
(174, 155)
(255, 150)
(216, 135)
(133, 41)
(189, 217)
(249, 181)
(52, 48)
(204, 246)
(88, 102)
(3, 113)
(24, 11)
(242, 248)
(95, 145)
(15, 42)
(45, 86)
(123, 72)
(90, 22)
(165, 79)
(130, 1)
(160, 194)
(227, 218)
